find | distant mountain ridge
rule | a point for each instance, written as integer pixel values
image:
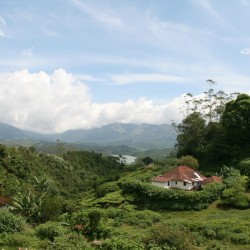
(8, 132)
(133, 135)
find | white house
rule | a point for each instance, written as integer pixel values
(181, 177)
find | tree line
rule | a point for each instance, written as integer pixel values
(216, 130)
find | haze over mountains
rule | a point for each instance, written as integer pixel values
(133, 135)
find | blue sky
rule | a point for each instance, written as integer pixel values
(98, 62)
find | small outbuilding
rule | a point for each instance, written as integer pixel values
(211, 179)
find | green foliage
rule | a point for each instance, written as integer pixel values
(50, 230)
(70, 241)
(190, 140)
(174, 237)
(122, 242)
(147, 160)
(244, 167)
(217, 229)
(106, 188)
(215, 142)
(80, 219)
(23, 168)
(234, 195)
(10, 223)
(140, 219)
(189, 161)
(215, 138)
(11, 185)
(27, 204)
(25, 239)
(90, 223)
(236, 120)
(51, 208)
(110, 199)
(122, 218)
(153, 197)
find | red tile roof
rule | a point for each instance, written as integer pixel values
(181, 173)
(212, 179)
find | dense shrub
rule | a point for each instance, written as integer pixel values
(21, 240)
(122, 242)
(134, 218)
(154, 197)
(142, 218)
(244, 167)
(106, 188)
(189, 161)
(239, 239)
(10, 223)
(222, 229)
(234, 195)
(50, 230)
(71, 241)
(90, 223)
(174, 237)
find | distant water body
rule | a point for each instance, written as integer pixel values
(127, 159)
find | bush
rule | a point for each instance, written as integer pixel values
(142, 218)
(172, 236)
(235, 196)
(80, 218)
(10, 223)
(244, 167)
(50, 230)
(189, 161)
(90, 223)
(70, 241)
(26, 239)
(240, 238)
(106, 188)
(134, 218)
(122, 242)
(51, 208)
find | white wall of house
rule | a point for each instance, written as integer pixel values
(176, 184)
(181, 185)
(159, 184)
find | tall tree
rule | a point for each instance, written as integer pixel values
(236, 122)
(190, 140)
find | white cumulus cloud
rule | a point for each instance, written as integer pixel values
(245, 51)
(60, 101)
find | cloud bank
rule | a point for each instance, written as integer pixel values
(54, 103)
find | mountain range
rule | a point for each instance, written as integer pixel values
(132, 135)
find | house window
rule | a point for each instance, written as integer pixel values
(192, 183)
(176, 183)
(168, 183)
(184, 183)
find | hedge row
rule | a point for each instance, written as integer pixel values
(153, 197)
